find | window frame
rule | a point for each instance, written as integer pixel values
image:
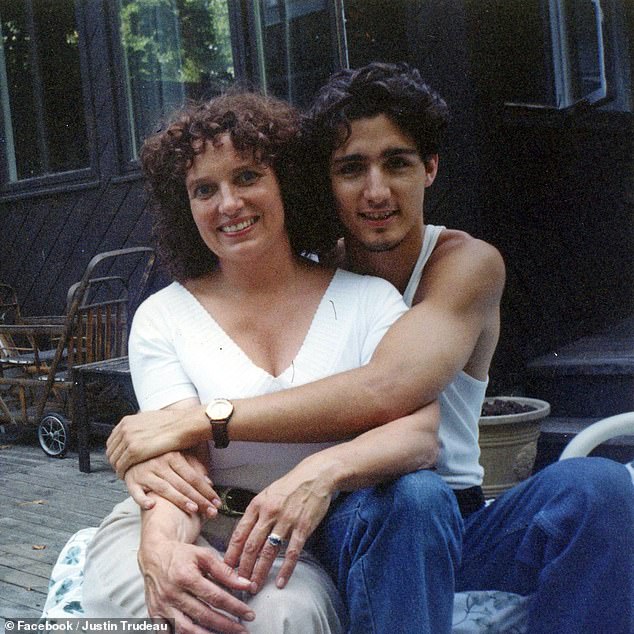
(129, 167)
(252, 15)
(561, 61)
(69, 180)
(556, 46)
(122, 123)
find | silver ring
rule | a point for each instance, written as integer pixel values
(275, 540)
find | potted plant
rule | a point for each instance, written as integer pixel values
(509, 430)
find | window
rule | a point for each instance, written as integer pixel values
(171, 50)
(43, 120)
(297, 45)
(554, 53)
(578, 51)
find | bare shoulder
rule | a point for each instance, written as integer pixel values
(459, 255)
(467, 265)
(462, 287)
(458, 248)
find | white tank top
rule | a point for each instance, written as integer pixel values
(460, 402)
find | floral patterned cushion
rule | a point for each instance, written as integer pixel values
(64, 588)
(492, 612)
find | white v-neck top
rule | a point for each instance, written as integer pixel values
(178, 351)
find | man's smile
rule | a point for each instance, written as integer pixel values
(378, 219)
(378, 215)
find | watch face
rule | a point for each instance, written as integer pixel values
(219, 410)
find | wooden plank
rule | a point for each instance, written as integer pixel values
(76, 504)
(23, 579)
(28, 535)
(102, 491)
(18, 561)
(13, 220)
(73, 500)
(33, 455)
(24, 596)
(54, 238)
(15, 225)
(108, 488)
(118, 212)
(124, 220)
(27, 471)
(26, 487)
(54, 468)
(14, 216)
(47, 557)
(67, 261)
(16, 602)
(59, 519)
(65, 509)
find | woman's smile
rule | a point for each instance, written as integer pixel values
(239, 227)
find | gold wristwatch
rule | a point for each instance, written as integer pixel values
(219, 412)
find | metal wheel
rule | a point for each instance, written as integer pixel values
(53, 432)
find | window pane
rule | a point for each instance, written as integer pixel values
(552, 53)
(585, 50)
(172, 50)
(295, 45)
(42, 106)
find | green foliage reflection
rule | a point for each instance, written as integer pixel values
(183, 41)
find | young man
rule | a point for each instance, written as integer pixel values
(565, 535)
(559, 536)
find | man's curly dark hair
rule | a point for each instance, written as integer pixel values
(395, 90)
(262, 127)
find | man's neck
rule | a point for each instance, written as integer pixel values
(395, 265)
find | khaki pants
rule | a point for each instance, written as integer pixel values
(113, 584)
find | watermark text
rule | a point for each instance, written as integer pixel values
(18, 626)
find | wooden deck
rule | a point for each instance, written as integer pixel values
(44, 501)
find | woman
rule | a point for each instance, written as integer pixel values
(249, 314)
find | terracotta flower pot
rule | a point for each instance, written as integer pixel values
(508, 442)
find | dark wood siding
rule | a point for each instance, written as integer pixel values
(49, 238)
(555, 195)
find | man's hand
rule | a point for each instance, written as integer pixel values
(187, 583)
(176, 478)
(292, 508)
(148, 434)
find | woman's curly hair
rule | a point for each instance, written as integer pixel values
(263, 127)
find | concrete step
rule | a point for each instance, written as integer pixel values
(592, 377)
(558, 431)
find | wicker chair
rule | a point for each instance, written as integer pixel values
(94, 328)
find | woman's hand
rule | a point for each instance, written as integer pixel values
(179, 478)
(145, 435)
(291, 508)
(187, 583)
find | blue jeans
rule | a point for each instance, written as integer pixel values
(566, 537)
(392, 551)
